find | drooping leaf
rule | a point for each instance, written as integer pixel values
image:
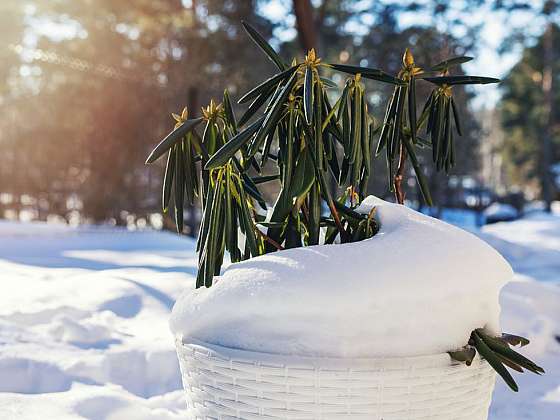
(273, 115)
(395, 140)
(188, 162)
(503, 349)
(179, 187)
(491, 358)
(343, 100)
(456, 117)
(304, 176)
(412, 108)
(251, 189)
(387, 127)
(447, 137)
(425, 112)
(247, 225)
(356, 126)
(422, 182)
(168, 180)
(314, 214)
(308, 95)
(509, 363)
(228, 111)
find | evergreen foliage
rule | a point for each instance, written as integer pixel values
(310, 134)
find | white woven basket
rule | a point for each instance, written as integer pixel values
(224, 383)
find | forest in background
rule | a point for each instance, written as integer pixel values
(87, 88)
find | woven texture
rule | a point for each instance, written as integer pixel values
(223, 383)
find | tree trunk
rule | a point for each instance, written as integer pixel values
(305, 23)
(547, 87)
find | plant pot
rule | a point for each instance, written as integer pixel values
(224, 383)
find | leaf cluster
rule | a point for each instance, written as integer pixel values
(498, 353)
(314, 137)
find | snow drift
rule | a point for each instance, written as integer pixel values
(420, 286)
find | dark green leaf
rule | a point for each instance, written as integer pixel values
(504, 350)
(395, 140)
(491, 358)
(314, 214)
(308, 95)
(251, 189)
(228, 109)
(387, 122)
(304, 175)
(206, 210)
(412, 108)
(271, 224)
(247, 225)
(254, 107)
(172, 138)
(273, 115)
(168, 180)
(188, 162)
(179, 187)
(263, 45)
(447, 133)
(509, 363)
(422, 182)
(267, 178)
(268, 84)
(210, 137)
(224, 154)
(454, 61)
(456, 117)
(343, 101)
(230, 222)
(425, 112)
(356, 126)
(368, 73)
(460, 80)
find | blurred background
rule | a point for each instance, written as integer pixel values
(87, 88)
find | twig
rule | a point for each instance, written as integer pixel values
(269, 240)
(399, 176)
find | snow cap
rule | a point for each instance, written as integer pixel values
(420, 286)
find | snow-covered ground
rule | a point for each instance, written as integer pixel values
(84, 320)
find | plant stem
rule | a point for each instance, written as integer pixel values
(269, 240)
(399, 176)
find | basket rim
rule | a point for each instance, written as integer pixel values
(189, 344)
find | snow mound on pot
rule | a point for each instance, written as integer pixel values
(420, 286)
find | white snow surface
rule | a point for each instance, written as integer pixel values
(363, 299)
(84, 320)
(501, 210)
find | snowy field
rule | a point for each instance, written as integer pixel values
(84, 320)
